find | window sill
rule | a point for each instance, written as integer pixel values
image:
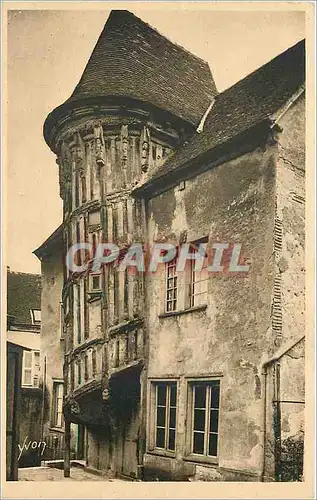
(183, 311)
(201, 459)
(57, 429)
(30, 388)
(94, 295)
(161, 453)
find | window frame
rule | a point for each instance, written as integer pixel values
(33, 320)
(92, 289)
(193, 281)
(190, 454)
(188, 286)
(31, 369)
(152, 422)
(54, 416)
(174, 289)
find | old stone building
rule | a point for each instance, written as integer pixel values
(184, 374)
(50, 253)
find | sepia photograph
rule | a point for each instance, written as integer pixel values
(158, 261)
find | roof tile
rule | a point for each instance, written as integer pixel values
(131, 59)
(250, 101)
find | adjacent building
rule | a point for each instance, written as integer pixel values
(52, 340)
(23, 331)
(193, 374)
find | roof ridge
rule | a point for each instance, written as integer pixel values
(175, 44)
(22, 272)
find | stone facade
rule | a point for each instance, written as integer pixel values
(52, 351)
(173, 383)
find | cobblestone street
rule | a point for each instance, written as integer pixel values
(53, 474)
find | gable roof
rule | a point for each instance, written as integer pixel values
(131, 59)
(244, 105)
(52, 244)
(23, 294)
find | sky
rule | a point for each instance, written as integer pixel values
(47, 53)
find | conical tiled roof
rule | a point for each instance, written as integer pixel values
(131, 59)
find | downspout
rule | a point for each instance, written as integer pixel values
(277, 424)
(264, 374)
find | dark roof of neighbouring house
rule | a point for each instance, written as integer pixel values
(51, 244)
(131, 59)
(23, 294)
(239, 108)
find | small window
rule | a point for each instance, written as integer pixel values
(204, 418)
(165, 415)
(31, 369)
(197, 281)
(171, 286)
(58, 392)
(94, 218)
(36, 316)
(95, 282)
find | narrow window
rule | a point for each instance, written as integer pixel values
(86, 367)
(126, 354)
(117, 354)
(115, 223)
(79, 372)
(78, 313)
(58, 391)
(83, 189)
(94, 244)
(205, 418)
(197, 290)
(171, 286)
(135, 344)
(76, 190)
(94, 363)
(36, 368)
(78, 254)
(61, 319)
(165, 415)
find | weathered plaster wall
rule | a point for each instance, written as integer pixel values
(288, 305)
(233, 203)
(290, 210)
(52, 347)
(30, 426)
